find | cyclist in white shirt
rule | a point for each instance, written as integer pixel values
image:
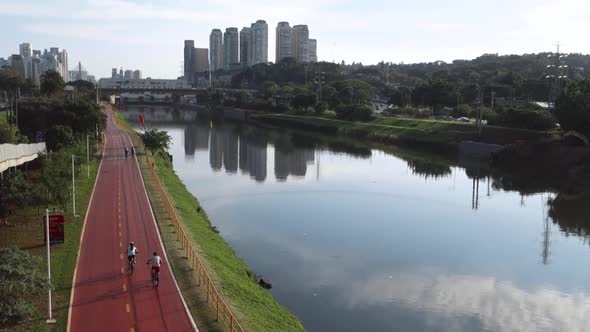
(156, 261)
(131, 251)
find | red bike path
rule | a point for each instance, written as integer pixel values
(105, 297)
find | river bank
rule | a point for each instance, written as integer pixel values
(406, 131)
(256, 309)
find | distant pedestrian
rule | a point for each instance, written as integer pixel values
(132, 150)
(126, 151)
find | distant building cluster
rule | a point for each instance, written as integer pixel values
(233, 49)
(126, 75)
(31, 64)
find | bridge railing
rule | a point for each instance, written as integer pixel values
(223, 311)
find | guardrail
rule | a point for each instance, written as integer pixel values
(222, 311)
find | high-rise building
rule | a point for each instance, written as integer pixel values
(17, 62)
(25, 50)
(231, 48)
(62, 61)
(259, 41)
(189, 60)
(283, 41)
(36, 53)
(121, 72)
(313, 50)
(128, 74)
(136, 74)
(300, 43)
(245, 45)
(216, 47)
(201, 60)
(114, 73)
(3, 62)
(36, 70)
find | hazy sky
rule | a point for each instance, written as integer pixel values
(149, 35)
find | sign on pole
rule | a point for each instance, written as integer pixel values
(56, 229)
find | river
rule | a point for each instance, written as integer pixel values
(355, 238)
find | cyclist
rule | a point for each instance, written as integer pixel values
(131, 252)
(156, 261)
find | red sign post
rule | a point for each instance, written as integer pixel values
(56, 229)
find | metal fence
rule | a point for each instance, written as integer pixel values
(222, 311)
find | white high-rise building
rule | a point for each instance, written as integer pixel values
(62, 61)
(313, 50)
(300, 43)
(26, 52)
(245, 46)
(283, 41)
(216, 48)
(259, 40)
(231, 48)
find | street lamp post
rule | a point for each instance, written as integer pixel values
(73, 187)
(50, 319)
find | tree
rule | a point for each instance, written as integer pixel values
(57, 175)
(14, 191)
(303, 101)
(59, 137)
(10, 79)
(52, 83)
(354, 112)
(572, 108)
(462, 110)
(156, 140)
(21, 278)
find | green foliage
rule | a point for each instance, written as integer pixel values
(156, 140)
(354, 113)
(269, 89)
(52, 83)
(303, 101)
(351, 92)
(57, 175)
(84, 90)
(39, 115)
(573, 107)
(462, 110)
(59, 137)
(10, 79)
(21, 276)
(528, 119)
(14, 192)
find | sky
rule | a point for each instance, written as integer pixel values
(149, 35)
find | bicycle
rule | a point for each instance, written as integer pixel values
(155, 278)
(131, 267)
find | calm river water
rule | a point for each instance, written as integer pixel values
(357, 239)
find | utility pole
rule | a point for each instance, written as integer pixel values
(557, 73)
(320, 77)
(88, 156)
(73, 187)
(50, 319)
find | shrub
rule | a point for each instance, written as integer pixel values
(354, 112)
(526, 119)
(20, 278)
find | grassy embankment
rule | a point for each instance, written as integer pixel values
(255, 307)
(405, 130)
(26, 231)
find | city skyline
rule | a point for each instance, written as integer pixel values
(366, 32)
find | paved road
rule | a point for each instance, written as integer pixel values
(106, 297)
